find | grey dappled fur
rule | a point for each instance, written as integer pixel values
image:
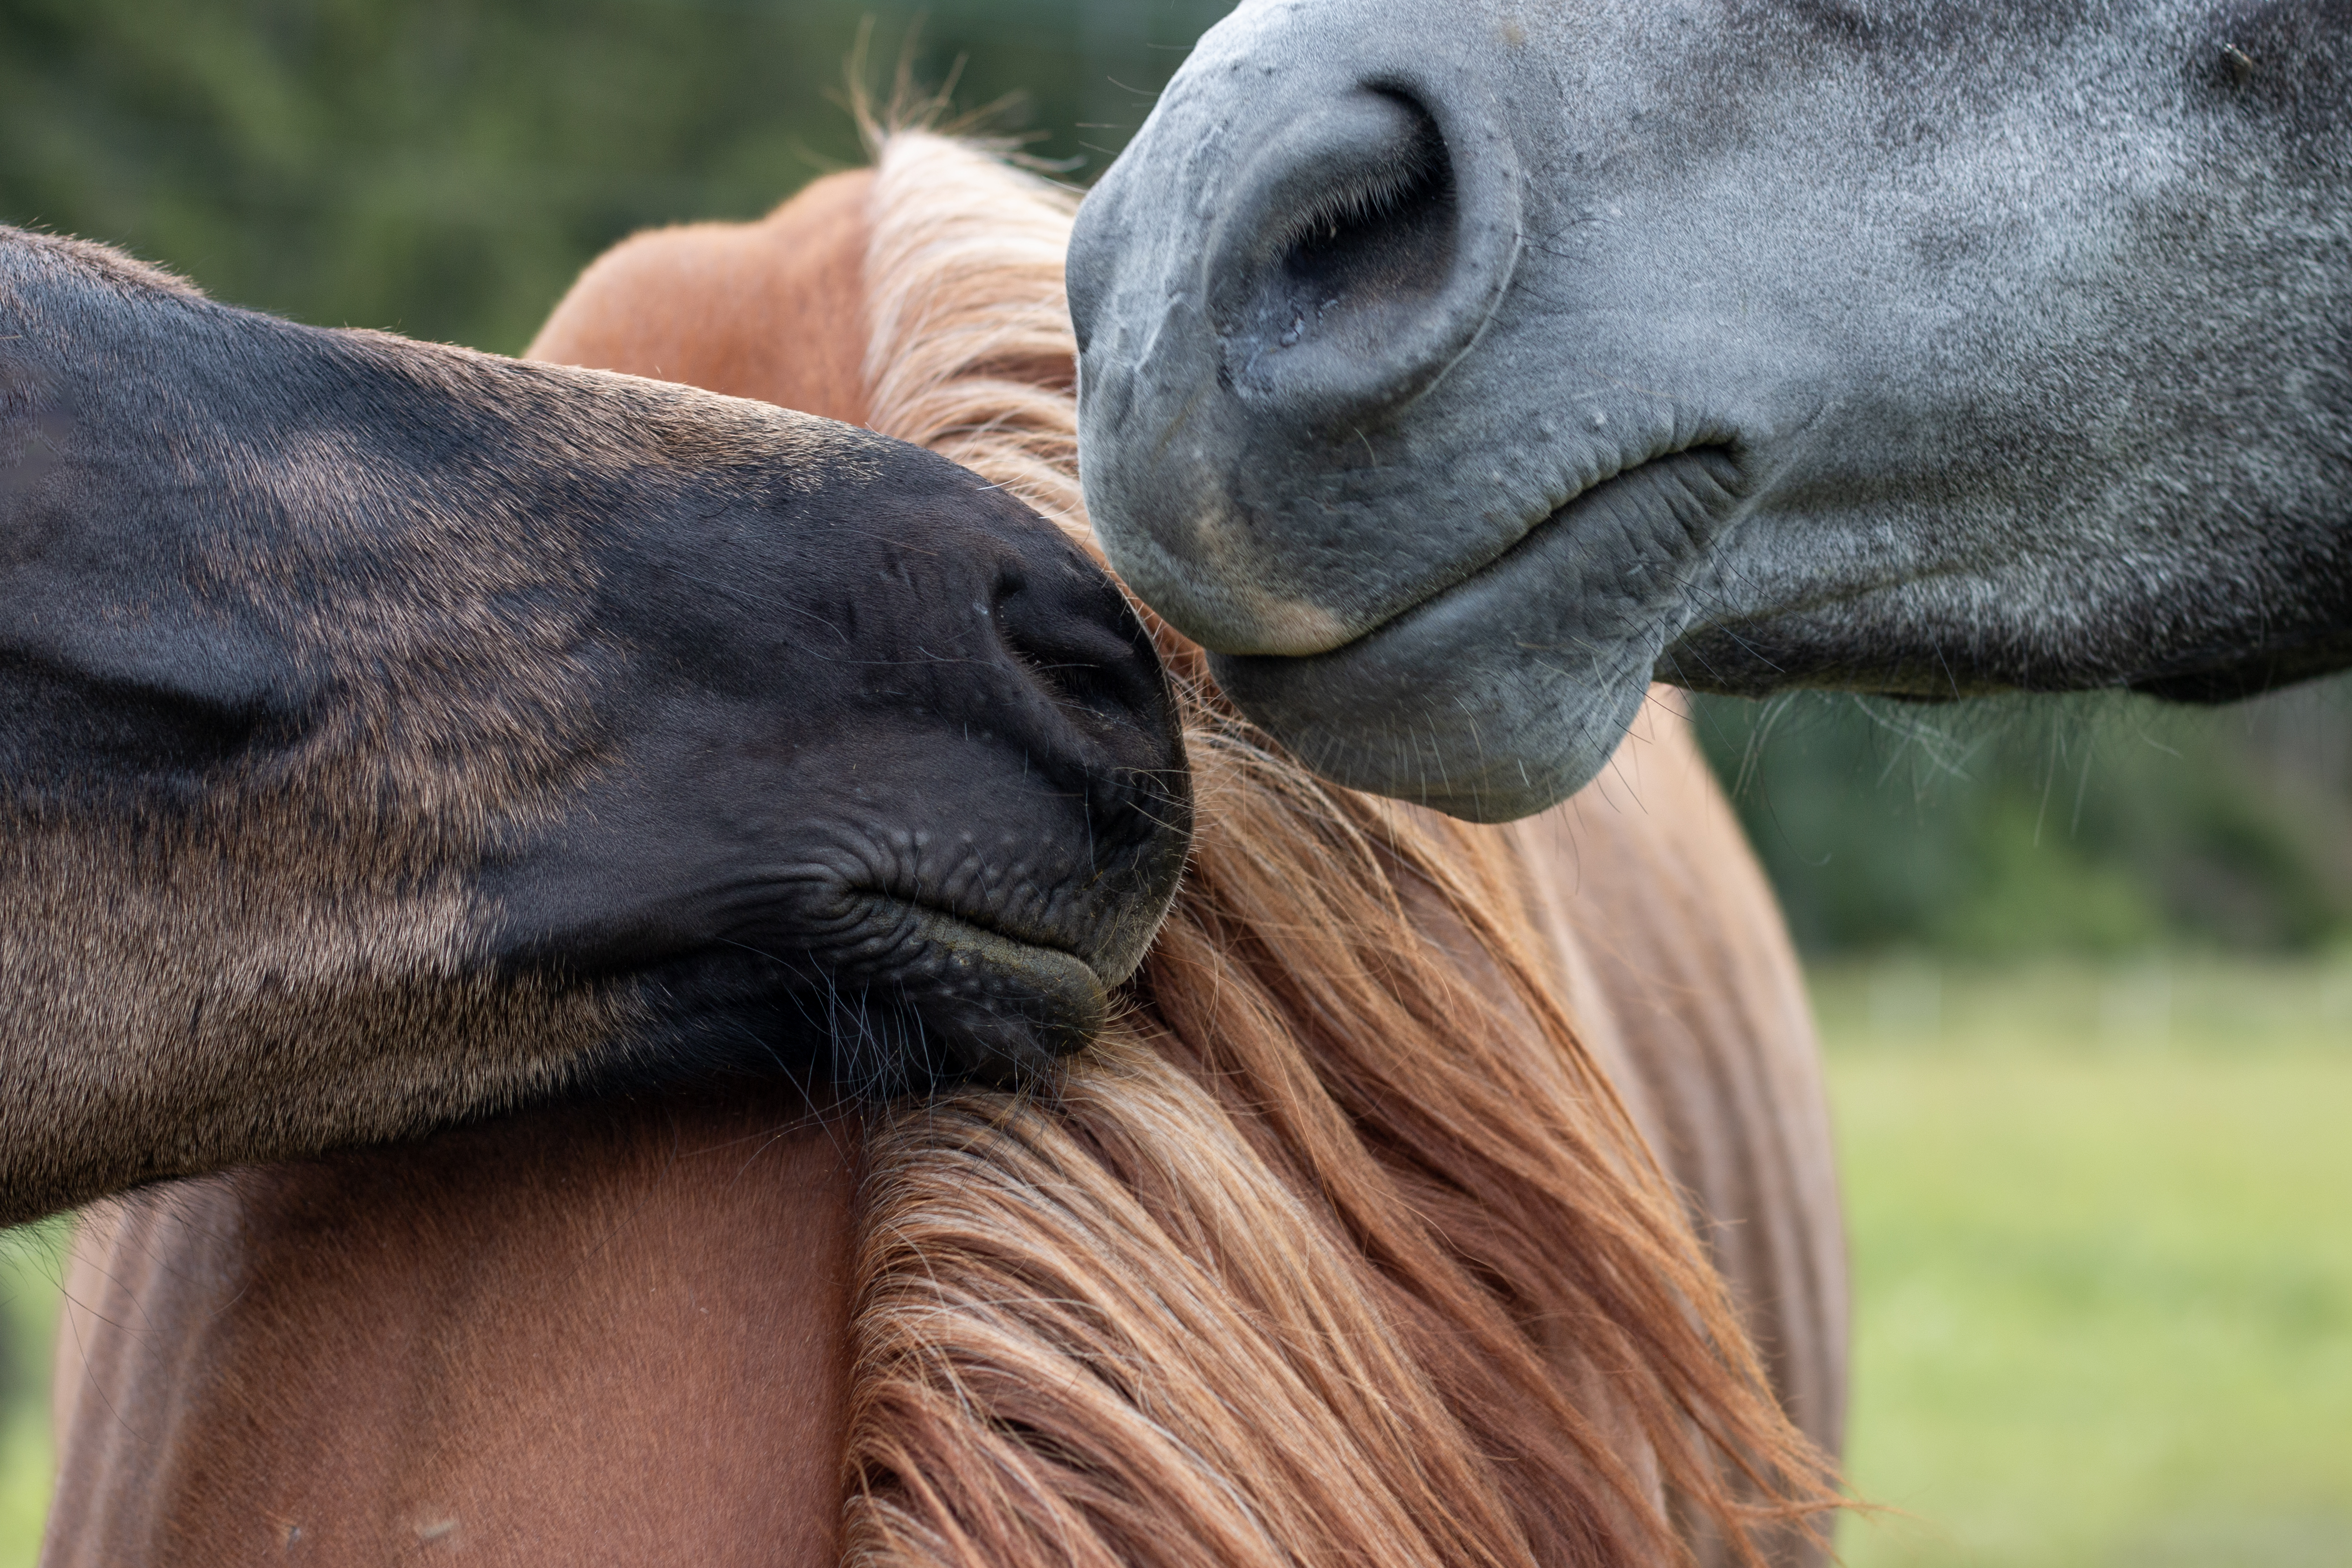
(392, 735)
(1991, 346)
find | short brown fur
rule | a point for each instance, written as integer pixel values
(571, 1339)
(754, 311)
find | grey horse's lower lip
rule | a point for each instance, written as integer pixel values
(1538, 536)
(1506, 690)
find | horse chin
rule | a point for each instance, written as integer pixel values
(1445, 721)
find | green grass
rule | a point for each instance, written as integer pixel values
(2101, 1227)
(2103, 1245)
(29, 1262)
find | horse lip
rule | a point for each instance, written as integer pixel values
(953, 940)
(937, 921)
(1541, 528)
(1505, 692)
(1006, 1005)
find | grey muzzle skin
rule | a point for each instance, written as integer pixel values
(1449, 369)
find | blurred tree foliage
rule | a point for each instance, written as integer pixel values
(2096, 824)
(445, 167)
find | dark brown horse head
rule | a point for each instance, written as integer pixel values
(391, 734)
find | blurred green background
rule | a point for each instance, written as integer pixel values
(2083, 965)
(444, 167)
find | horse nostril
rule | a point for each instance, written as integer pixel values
(1382, 236)
(1072, 680)
(1347, 256)
(1080, 644)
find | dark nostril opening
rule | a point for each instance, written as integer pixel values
(1073, 683)
(1383, 233)
(1358, 249)
(1088, 656)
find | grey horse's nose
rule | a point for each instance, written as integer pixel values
(1260, 294)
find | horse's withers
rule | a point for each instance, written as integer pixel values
(392, 734)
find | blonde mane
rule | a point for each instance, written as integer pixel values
(1339, 1249)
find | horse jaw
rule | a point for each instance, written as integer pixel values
(2016, 365)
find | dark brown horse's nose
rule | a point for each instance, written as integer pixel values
(1073, 634)
(1112, 737)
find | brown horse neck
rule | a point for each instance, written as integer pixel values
(608, 1332)
(773, 310)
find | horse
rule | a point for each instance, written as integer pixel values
(1452, 369)
(394, 735)
(1342, 1245)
